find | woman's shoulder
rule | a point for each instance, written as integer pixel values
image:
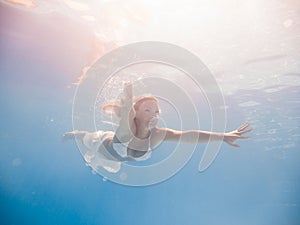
(167, 134)
(158, 133)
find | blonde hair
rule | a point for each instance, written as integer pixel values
(115, 107)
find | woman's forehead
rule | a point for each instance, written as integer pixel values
(149, 103)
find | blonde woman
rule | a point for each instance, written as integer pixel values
(137, 134)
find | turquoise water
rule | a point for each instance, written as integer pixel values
(44, 181)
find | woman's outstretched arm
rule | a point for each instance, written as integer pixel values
(199, 136)
(78, 134)
(126, 128)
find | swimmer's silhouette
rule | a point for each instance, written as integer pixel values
(137, 133)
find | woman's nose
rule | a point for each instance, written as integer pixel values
(155, 115)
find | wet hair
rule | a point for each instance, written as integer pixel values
(116, 107)
(139, 100)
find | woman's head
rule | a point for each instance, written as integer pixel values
(142, 99)
(147, 109)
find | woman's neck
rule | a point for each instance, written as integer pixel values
(142, 130)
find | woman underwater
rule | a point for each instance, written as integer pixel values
(137, 134)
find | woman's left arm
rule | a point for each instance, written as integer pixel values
(79, 134)
(198, 136)
(237, 134)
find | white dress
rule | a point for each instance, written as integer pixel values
(96, 158)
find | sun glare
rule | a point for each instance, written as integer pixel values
(27, 3)
(78, 6)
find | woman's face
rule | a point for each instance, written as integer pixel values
(148, 112)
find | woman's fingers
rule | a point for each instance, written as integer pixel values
(237, 135)
(242, 137)
(126, 101)
(128, 89)
(233, 144)
(245, 131)
(243, 127)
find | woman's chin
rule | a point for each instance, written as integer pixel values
(152, 124)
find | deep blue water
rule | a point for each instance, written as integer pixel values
(44, 181)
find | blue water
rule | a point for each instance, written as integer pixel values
(44, 181)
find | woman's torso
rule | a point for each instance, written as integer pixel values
(136, 148)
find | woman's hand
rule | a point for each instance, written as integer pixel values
(127, 99)
(237, 134)
(70, 135)
(127, 111)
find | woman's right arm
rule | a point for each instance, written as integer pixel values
(126, 128)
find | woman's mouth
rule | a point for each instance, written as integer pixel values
(153, 121)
